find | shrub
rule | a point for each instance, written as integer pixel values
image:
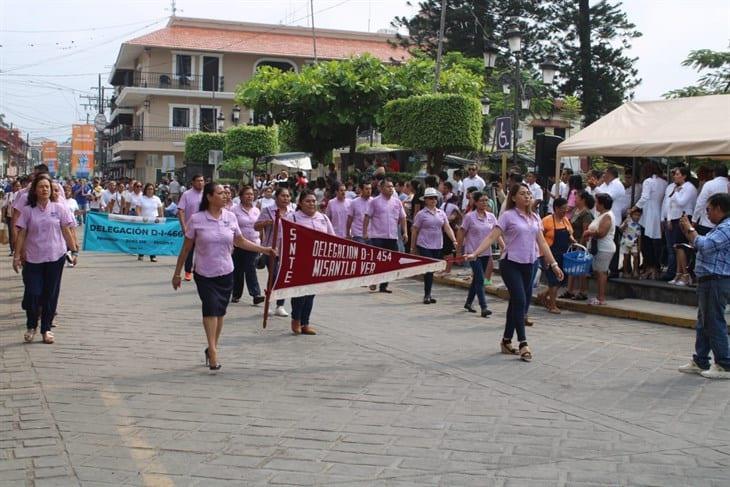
(256, 141)
(436, 124)
(198, 144)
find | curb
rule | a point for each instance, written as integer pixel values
(607, 310)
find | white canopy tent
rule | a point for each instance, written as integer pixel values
(696, 126)
(293, 160)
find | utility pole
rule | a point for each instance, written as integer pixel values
(173, 8)
(314, 35)
(440, 50)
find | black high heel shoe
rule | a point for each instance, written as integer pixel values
(207, 357)
(216, 367)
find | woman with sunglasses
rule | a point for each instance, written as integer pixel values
(521, 229)
(477, 225)
(427, 239)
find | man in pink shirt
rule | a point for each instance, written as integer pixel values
(356, 213)
(337, 211)
(189, 205)
(382, 218)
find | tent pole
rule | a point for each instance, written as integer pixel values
(633, 181)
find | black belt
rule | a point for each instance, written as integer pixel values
(713, 277)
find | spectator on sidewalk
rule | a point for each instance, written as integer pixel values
(650, 204)
(213, 231)
(558, 234)
(681, 201)
(582, 218)
(602, 230)
(713, 290)
(613, 187)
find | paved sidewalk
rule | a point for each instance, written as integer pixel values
(391, 392)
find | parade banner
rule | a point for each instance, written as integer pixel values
(49, 155)
(83, 140)
(132, 235)
(311, 262)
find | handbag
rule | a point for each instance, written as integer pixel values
(593, 249)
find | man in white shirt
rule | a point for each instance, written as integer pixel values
(613, 187)
(717, 185)
(174, 188)
(535, 189)
(473, 180)
(561, 190)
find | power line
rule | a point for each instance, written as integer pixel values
(4, 31)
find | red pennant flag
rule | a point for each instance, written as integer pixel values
(312, 262)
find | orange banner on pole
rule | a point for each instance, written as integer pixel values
(49, 155)
(83, 141)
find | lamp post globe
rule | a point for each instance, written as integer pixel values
(549, 68)
(514, 38)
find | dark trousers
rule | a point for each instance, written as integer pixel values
(711, 328)
(428, 277)
(613, 266)
(388, 244)
(189, 260)
(651, 249)
(244, 268)
(518, 279)
(478, 266)
(11, 233)
(42, 287)
(301, 308)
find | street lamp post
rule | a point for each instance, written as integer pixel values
(521, 95)
(220, 121)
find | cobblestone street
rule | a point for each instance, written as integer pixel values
(391, 392)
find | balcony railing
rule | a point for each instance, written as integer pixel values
(153, 134)
(177, 82)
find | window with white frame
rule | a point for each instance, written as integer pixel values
(181, 117)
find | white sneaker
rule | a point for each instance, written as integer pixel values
(281, 311)
(716, 372)
(691, 368)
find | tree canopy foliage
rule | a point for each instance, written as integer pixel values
(548, 27)
(715, 66)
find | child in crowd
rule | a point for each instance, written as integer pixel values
(631, 243)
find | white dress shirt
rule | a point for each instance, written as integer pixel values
(681, 201)
(617, 193)
(718, 185)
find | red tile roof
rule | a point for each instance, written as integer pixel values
(269, 43)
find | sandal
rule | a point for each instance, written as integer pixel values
(29, 335)
(48, 337)
(555, 311)
(596, 302)
(525, 353)
(507, 348)
(567, 295)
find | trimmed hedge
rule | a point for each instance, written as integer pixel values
(198, 144)
(256, 141)
(439, 122)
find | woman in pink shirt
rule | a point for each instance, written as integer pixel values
(476, 226)
(244, 261)
(214, 232)
(307, 216)
(427, 235)
(521, 229)
(44, 234)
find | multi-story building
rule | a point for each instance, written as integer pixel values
(13, 152)
(182, 78)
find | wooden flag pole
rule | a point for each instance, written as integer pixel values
(272, 265)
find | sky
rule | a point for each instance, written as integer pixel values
(51, 51)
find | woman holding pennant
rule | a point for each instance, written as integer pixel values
(521, 229)
(307, 216)
(214, 231)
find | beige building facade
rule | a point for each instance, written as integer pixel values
(182, 79)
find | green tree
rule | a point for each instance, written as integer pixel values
(548, 27)
(435, 123)
(715, 80)
(198, 145)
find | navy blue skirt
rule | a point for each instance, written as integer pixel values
(215, 293)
